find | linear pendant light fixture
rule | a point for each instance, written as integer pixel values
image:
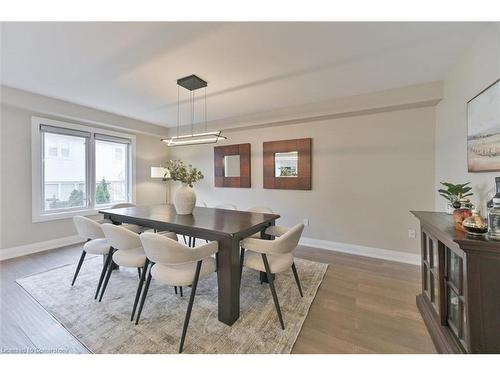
(192, 83)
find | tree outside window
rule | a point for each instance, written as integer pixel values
(102, 192)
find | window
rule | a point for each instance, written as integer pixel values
(64, 181)
(80, 169)
(111, 171)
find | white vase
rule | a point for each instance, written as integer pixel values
(184, 200)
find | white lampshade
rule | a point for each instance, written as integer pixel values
(160, 172)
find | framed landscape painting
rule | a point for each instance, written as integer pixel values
(483, 130)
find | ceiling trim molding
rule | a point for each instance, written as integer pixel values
(408, 97)
(304, 120)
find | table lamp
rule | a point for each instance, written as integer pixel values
(164, 174)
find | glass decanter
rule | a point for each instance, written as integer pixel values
(494, 220)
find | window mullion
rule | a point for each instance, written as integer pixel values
(128, 182)
(91, 173)
(42, 168)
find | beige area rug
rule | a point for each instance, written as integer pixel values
(105, 327)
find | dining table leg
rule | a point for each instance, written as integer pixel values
(229, 280)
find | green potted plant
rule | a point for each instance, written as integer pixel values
(453, 193)
(185, 196)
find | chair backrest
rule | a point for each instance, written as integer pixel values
(288, 241)
(121, 238)
(227, 206)
(87, 228)
(260, 210)
(164, 250)
(123, 205)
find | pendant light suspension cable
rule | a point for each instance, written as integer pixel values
(192, 83)
(178, 112)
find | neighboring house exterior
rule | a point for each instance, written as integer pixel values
(64, 170)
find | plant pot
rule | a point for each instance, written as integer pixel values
(449, 208)
(185, 200)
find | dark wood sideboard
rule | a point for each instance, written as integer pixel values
(460, 299)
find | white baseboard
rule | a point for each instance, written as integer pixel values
(13, 252)
(372, 252)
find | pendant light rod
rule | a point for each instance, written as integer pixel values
(191, 139)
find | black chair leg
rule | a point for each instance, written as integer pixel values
(273, 290)
(103, 272)
(296, 275)
(82, 257)
(108, 275)
(139, 288)
(190, 305)
(139, 272)
(242, 260)
(180, 289)
(184, 236)
(144, 294)
(175, 288)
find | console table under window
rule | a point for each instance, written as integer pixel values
(460, 299)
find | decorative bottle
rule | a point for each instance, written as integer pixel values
(494, 219)
(489, 204)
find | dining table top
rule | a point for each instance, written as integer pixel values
(221, 221)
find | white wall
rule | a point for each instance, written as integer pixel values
(478, 68)
(17, 108)
(368, 172)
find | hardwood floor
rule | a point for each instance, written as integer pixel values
(364, 305)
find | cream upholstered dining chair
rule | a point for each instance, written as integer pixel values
(226, 206)
(126, 251)
(91, 231)
(259, 210)
(273, 256)
(173, 263)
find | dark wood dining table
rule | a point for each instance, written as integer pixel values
(228, 227)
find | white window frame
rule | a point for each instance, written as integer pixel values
(37, 213)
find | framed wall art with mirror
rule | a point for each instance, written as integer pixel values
(232, 166)
(287, 164)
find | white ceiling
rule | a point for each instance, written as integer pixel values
(131, 68)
